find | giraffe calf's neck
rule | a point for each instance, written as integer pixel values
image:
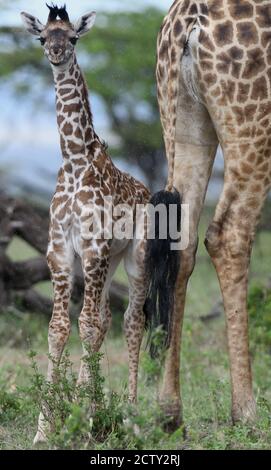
(74, 118)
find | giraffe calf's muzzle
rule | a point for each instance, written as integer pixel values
(56, 56)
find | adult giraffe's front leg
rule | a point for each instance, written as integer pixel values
(60, 262)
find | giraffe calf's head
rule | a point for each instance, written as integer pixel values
(59, 36)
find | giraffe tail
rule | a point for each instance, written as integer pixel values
(162, 267)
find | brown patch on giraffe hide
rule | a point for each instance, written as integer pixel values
(247, 33)
(193, 10)
(60, 119)
(216, 92)
(64, 91)
(89, 178)
(173, 55)
(240, 9)
(246, 168)
(68, 167)
(265, 123)
(203, 9)
(243, 92)
(263, 15)
(78, 172)
(228, 90)
(223, 33)
(84, 196)
(80, 81)
(71, 108)
(67, 128)
(184, 6)
(235, 53)
(52, 262)
(206, 65)
(84, 120)
(216, 10)
(177, 28)
(210, 78)
(101, 161)
(203, 21)
(63, 145)
(75, 148)
(266, 39)
(163, 50)
(61, 76)
(80, 161)
(78, 133)
(88, 134)
(259, 89)
(254, 64)
(256, 187)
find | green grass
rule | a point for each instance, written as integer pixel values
(204, 374)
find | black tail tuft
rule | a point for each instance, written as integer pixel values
(162, 267)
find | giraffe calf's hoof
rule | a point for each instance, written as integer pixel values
(39, 438)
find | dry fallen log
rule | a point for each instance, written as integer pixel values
(17, 279)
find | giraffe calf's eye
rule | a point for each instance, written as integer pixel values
(42, 41)
(73, 41)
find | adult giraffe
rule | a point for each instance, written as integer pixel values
(214, 85)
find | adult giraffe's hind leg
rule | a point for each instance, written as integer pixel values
(229, 241)
(195, 148)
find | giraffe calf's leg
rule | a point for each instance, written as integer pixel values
(59, 330)
(134, 318)
(91, 325)
(134, 321)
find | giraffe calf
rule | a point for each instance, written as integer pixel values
(87, 178)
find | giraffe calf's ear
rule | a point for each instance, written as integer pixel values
(85, 23)
(32, 24)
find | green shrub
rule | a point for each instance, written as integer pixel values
(259, 307)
